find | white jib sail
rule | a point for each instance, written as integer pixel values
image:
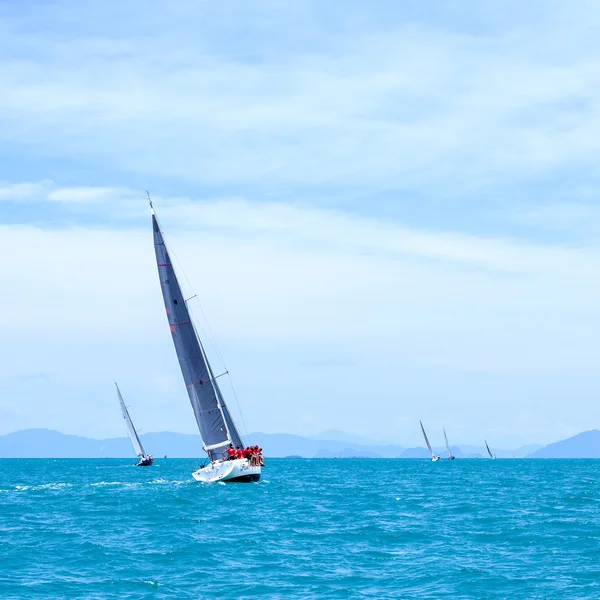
(135, 440)
(447, 444)
(427, 440)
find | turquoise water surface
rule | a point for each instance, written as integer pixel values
(318, 528)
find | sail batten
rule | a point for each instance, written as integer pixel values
(212, 417)
(135, 440)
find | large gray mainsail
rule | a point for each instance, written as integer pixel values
(488, 449)
(135, 440)
(212, 416)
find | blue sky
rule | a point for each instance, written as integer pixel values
(389, 213)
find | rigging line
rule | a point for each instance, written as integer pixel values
(210, 336)
(230, 378)
(220, 399)
(200, 428)
(214, 386)
(238, 404)
(204, 327)
(217, 350)
(209, 333)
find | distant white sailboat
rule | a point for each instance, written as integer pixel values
(434, 458)
(450, 455)
(492, 456)
(145, 460)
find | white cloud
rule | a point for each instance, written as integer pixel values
(277, 101)
(82, 194)
(12, 192)
(578, 219)
(283, 285)
(410, 106)
(277, 258)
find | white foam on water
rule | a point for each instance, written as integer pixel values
(99, 483)
(121, 483)
(44, 486)
(53, 486)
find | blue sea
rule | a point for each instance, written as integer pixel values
(346, 528)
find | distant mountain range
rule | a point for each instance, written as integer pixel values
(582, 445)
(46, 443)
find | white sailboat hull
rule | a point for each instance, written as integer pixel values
(435, 458)
(239, 470)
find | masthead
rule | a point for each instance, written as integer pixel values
(150, 201)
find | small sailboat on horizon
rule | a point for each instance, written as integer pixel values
(450, 455)
(221, 440)
(434, 457)
(144, 460)
(492, 456)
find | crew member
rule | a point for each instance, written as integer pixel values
(231, 452)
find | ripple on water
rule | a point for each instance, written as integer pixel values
(313, 529)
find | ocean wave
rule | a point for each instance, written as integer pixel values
(511, 529)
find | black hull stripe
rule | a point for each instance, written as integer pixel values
(244, 479)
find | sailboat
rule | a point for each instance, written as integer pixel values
(492, 456)
(433, 455)
(220, 437)
(450, 455)
(145, 460)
